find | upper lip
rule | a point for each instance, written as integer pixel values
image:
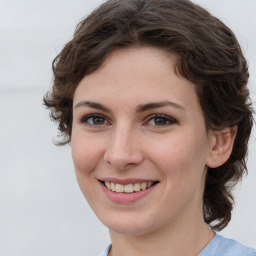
(126, 181)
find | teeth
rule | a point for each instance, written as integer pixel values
(119, 188)
(150, 184)
(143, 185)
(129, 188)
(108, 185)
(113, 186)
(136, 187)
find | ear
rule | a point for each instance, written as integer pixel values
(220, 146)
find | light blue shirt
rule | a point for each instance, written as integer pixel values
(218, 246)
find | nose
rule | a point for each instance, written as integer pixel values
(123, 150)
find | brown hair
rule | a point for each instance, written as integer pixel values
(209, 55)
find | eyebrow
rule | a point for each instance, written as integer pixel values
(153, 105)
(92, 104)
(139, 109)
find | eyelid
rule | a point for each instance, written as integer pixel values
(158, 115)
(169, 119)
(84, 119)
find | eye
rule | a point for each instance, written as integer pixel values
(94, 120)
(160, 120)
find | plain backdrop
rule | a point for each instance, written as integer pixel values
(42, 211)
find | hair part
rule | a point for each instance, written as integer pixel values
(209, 56)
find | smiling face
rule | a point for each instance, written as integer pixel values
(138, 129)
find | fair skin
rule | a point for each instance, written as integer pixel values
(135, 121)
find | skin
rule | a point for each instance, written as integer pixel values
(122, 142)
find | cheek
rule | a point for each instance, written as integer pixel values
(85, 154)
(183, 168)
(182, 160)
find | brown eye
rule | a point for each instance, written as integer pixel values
(161, 120)
(94, 120)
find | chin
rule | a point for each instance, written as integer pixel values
(129, 229)
(128, 225)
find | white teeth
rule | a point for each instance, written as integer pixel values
(108, 185)
(113, 186)
(129, 188)
(143, 185)
(119, 188)
(136, 187)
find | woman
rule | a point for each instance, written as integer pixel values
(152, 96)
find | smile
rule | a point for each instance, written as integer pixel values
(127, 191)
(128, 188)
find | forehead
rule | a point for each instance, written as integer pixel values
(137, 74)
(137, 60)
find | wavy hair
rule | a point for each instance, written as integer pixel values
(209, 55)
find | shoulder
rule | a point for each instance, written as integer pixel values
(106, 251)
(230, 247)
(221, 246)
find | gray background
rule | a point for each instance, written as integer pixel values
(42, 211)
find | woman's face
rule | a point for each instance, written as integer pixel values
(138, 129)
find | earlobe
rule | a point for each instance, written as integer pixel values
(221, 145)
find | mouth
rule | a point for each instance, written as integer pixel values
(128, 188)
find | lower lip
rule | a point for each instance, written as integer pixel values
(126, 197)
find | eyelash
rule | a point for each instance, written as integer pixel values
(167, 120)
(85, 119)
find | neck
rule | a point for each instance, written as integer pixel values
(169, 240)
